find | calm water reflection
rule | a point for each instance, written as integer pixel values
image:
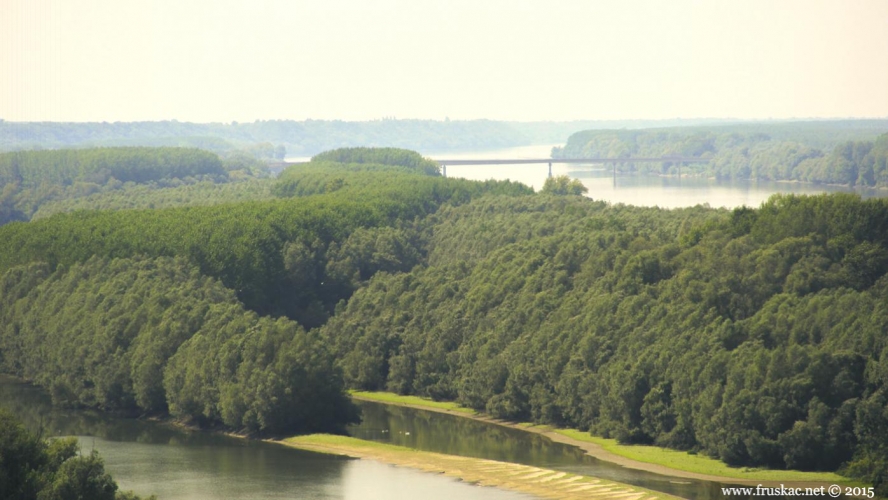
(443, 433)
(174, 464)
(153, 458)
(665, 192)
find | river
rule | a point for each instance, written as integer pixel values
(178, 464)
(641, 190)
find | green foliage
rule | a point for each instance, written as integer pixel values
(563, 185)
(30, 169)
(382, 156)
(155, 335)
(758, 340)
(755, 336)
(161, 195)
(81, 478)
(871, 427)
(812, 152)
(369, 251)
(22, 459)
(243, 245)
(117, 178)
(50, 470)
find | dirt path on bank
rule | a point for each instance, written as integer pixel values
(600, 453)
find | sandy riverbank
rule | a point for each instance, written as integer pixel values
(597, 451)
(543, 483)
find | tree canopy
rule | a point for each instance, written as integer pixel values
(31, 467)
(117, 178)
(814, 152)
(563, 185)
(755, 335)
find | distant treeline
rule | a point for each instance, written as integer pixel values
(851, 153)
(32, 179)
(273, 138)
(30, 169)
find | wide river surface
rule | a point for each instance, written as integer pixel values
(177, 464)
(641, 190)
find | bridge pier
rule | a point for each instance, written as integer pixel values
(550, 169)
(444, 170)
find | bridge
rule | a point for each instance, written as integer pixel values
(680, 160)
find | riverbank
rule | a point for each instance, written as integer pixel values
(543, 483)
(647, 458)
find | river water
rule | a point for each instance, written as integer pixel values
(443, 433)
(176, 464)
(641, 190)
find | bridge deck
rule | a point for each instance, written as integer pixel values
(670, 159)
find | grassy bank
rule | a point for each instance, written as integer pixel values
(392, 398)
(543, 483)
(662, 457)
(699, 464)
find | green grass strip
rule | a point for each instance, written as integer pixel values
(392, 398)
(674, 459)
(700, 464)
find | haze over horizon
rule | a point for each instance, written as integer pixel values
(202, 61)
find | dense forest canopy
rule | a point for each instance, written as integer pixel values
(852, 153)
(155, 302)
(120, 178)
(29, 169)
(166, 194)
(412, 160)
(756, 335)
(155, 335)
(245, 244)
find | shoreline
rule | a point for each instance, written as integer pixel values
(853, 188)
(536, 481)
(599, 452)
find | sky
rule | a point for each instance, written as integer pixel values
(223, 61)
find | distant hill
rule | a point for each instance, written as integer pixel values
(305, 138)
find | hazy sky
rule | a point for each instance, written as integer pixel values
(203, 60)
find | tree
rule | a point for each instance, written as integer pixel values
(31, 468)
(81, 478)
(563, 185)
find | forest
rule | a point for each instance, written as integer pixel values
(753, 335)
(52, 181)
(135, 293)
(853, 153)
